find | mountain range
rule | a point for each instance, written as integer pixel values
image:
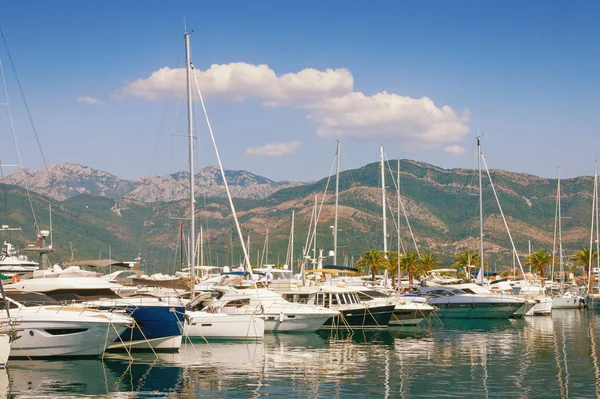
(67, 180)
(441, 205)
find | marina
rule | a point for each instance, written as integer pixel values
(451, 251)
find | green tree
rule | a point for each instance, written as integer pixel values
(428, 261)
(409, 263)
(374, 260)
(538, 261)
(582, 257)
(466, 260)
(392, 266)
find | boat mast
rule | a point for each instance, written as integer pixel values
(292, 243)
(594, 210)
(385, 250)
(597, 230)
(481, 258)
(398, 224)
(560, 249)
(315, 235)
(337, 193)
(188, 67)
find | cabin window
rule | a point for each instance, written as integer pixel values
(321, 299)
(64, 331)
(343, 299)
(301, 298)
(238, 303)
(334, 299)
(364, 297)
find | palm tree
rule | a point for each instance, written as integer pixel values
(392, 266)
(372, 259)
(584, 258)
(409, 263)
(466, 259)
(428, 261)
(538, 261)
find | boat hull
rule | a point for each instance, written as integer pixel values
(367, 318)
(568, 302)
(476, 310)
(85, 339)
(203, 326)
(543, 307)
(410, 316)
(295, 322)
(157, 328)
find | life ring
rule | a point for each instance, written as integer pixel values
(15, 278)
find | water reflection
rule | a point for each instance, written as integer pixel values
(530, 358)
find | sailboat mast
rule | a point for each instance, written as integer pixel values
(292, 243)
(337, 194)
(315, 236)
(398, 224)
(385, 249)
(597, 229)
(594, 210)
(560, 249)
(481, 258)
(188, 67)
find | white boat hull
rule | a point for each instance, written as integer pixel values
(543, 307)
(4, 349)
(35, 341)
(410, 314)
(295, 322)
(223, 327)
(522, 311)
(568, 302)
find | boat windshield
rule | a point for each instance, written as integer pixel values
(29, 299)
(446, 292)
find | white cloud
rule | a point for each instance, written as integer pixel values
(455, 149)
(328, 97)
(274, 149)
(89, 100)
(389, 117)
(240, 81)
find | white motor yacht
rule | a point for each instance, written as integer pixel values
(158, 324)
(353, 314)
(11, 262)
(279, 314)
(456, 303)
(51, 329)
(214, 326)
(409, 310)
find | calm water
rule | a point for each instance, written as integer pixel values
(543, 357)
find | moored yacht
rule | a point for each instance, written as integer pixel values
(456, 303)
(409, 310)
(158, 324)
(279, 314)
(214, 326)
(353, 314)
(51, 329)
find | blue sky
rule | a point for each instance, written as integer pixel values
(524, 73)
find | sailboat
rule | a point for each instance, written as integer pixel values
(529, 292)
(200, 324)
(565, 299)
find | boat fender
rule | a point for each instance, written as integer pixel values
(15, 278)
(281, 317)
